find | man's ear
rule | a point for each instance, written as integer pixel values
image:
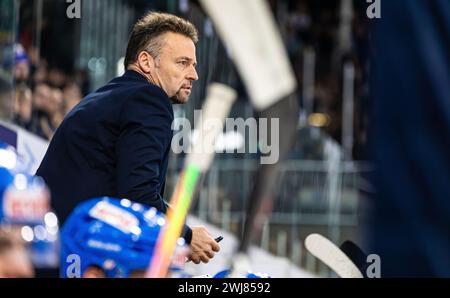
(94, 272)
(146, 62)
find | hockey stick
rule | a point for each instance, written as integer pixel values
(217, 106)
(356, 254)
(332, 256)
(249, 31)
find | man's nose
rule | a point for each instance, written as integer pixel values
(192, 75)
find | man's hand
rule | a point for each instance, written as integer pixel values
(202, 246)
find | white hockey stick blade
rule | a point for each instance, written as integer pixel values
(216, 108)
(249, 31)
(332, 256)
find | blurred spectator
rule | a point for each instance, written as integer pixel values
(21, 67)
(40, 74)
(41, 96)
(41, 93)
(56, 78)
(33, 54)
(55, 108)
(72, 96)
(5, 99)
(23, 107)
(52, 113)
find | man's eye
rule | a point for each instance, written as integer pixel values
(184, 63)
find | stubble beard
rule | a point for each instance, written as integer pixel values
(177, 100)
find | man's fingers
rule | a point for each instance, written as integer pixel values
(194, 258)
(203, 245)
(215, 247)
(210, 254)
(204, 258)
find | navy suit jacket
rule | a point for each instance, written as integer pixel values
(115, 143)
(411, 138)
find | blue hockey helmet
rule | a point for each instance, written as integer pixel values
(116, 235)
(250, 274)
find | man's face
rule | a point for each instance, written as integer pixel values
(14, 259)
(175, 67)
(15, 263)
(41, 96)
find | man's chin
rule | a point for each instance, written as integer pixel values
(176, 100)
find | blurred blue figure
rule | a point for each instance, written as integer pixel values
(8, 159)
(410, 140)
(107, 237)
(25, 199)
(25, 218)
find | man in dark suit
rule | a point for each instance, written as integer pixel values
(116, 141)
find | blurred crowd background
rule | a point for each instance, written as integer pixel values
(55, 61)
(49, 62)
